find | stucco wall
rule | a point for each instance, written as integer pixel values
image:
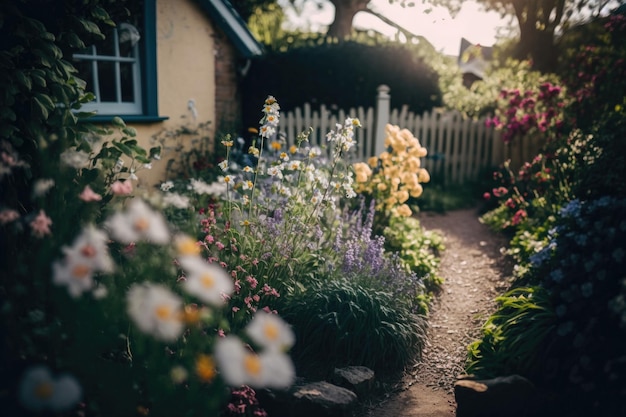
(186, 71)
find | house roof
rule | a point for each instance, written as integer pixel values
(473, 58)
(227, 18)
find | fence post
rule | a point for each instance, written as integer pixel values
(382, 117)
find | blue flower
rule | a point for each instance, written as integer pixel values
(557, 275)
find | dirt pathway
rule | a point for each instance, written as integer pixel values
(474, 273)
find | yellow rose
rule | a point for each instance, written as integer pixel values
(417, 191)
(402, 196)
(423, 176)
(362, 171)
(373, 161)
(403, 211)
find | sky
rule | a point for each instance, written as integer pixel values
(441, 30)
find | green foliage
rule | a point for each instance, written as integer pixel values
(341, 322)
(419, 249)
(513, 335)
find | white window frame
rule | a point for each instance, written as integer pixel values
(117, 107)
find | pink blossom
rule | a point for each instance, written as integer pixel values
(219, 245)
(8, 215)
(89, 195)
(41, 225)
(221, 333)
(122, 188)
(486, 196)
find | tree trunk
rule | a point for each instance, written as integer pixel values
(345, 10)
(537, 22)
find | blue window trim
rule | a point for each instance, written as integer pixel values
(149, 56)
(149, 69)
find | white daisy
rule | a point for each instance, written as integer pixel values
(270, 332)
(75, 272)
(206, 281)
(39, 391)
(91, 247)
(155, 310)
(139, 222)
(176, 200)
(239, 366)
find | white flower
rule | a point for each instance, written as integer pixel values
(294, 165)
(223, 165)
(91, 247)
(155, 310)
(75, 159)
(206, 281)
(239, 366)
(42, 186)
(74, 272)
(200, 187)
(139, 222)
(167, 185)
(270, 332)
(177, 200)
(275, 171)
(39, 391)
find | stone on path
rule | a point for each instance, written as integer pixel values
(512, 396)
(358, 379)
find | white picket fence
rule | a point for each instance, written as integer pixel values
(459, 148)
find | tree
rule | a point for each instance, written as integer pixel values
(345, 10)
(539, 21)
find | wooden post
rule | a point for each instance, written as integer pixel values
(382, 117)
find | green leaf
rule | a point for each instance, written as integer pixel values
(24, 80)
(38, 109)
(45, 100)
(118, 122)
(125, 149)
(130, 131)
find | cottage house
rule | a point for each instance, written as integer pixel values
(473, 60)
(176, 62)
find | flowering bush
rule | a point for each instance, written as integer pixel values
(395, 176)
(573, 323)
(115, 311)
(281, 223)
(532, 111)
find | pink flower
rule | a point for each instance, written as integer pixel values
(41, 225)
(486, 196)
(8, 215)
(89, 195)
(122, 188)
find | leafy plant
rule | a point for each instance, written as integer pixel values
(343, 322)
(419, 249)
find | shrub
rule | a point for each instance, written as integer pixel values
(344, 322)
(353, 65)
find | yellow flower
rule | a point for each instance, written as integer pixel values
(402, 196)
(373, 161)
(275, 145)
(417, 191)
(205, 368)
(293, 149)
(423, 176)
(186, 246)
(381, 186)
(227, 143)
(362, 171)
(403, 211)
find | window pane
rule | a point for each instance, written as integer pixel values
(106, 77)
(106, 46)
(127, 81)
(84, 68)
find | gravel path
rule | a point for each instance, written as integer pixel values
(475, 273)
